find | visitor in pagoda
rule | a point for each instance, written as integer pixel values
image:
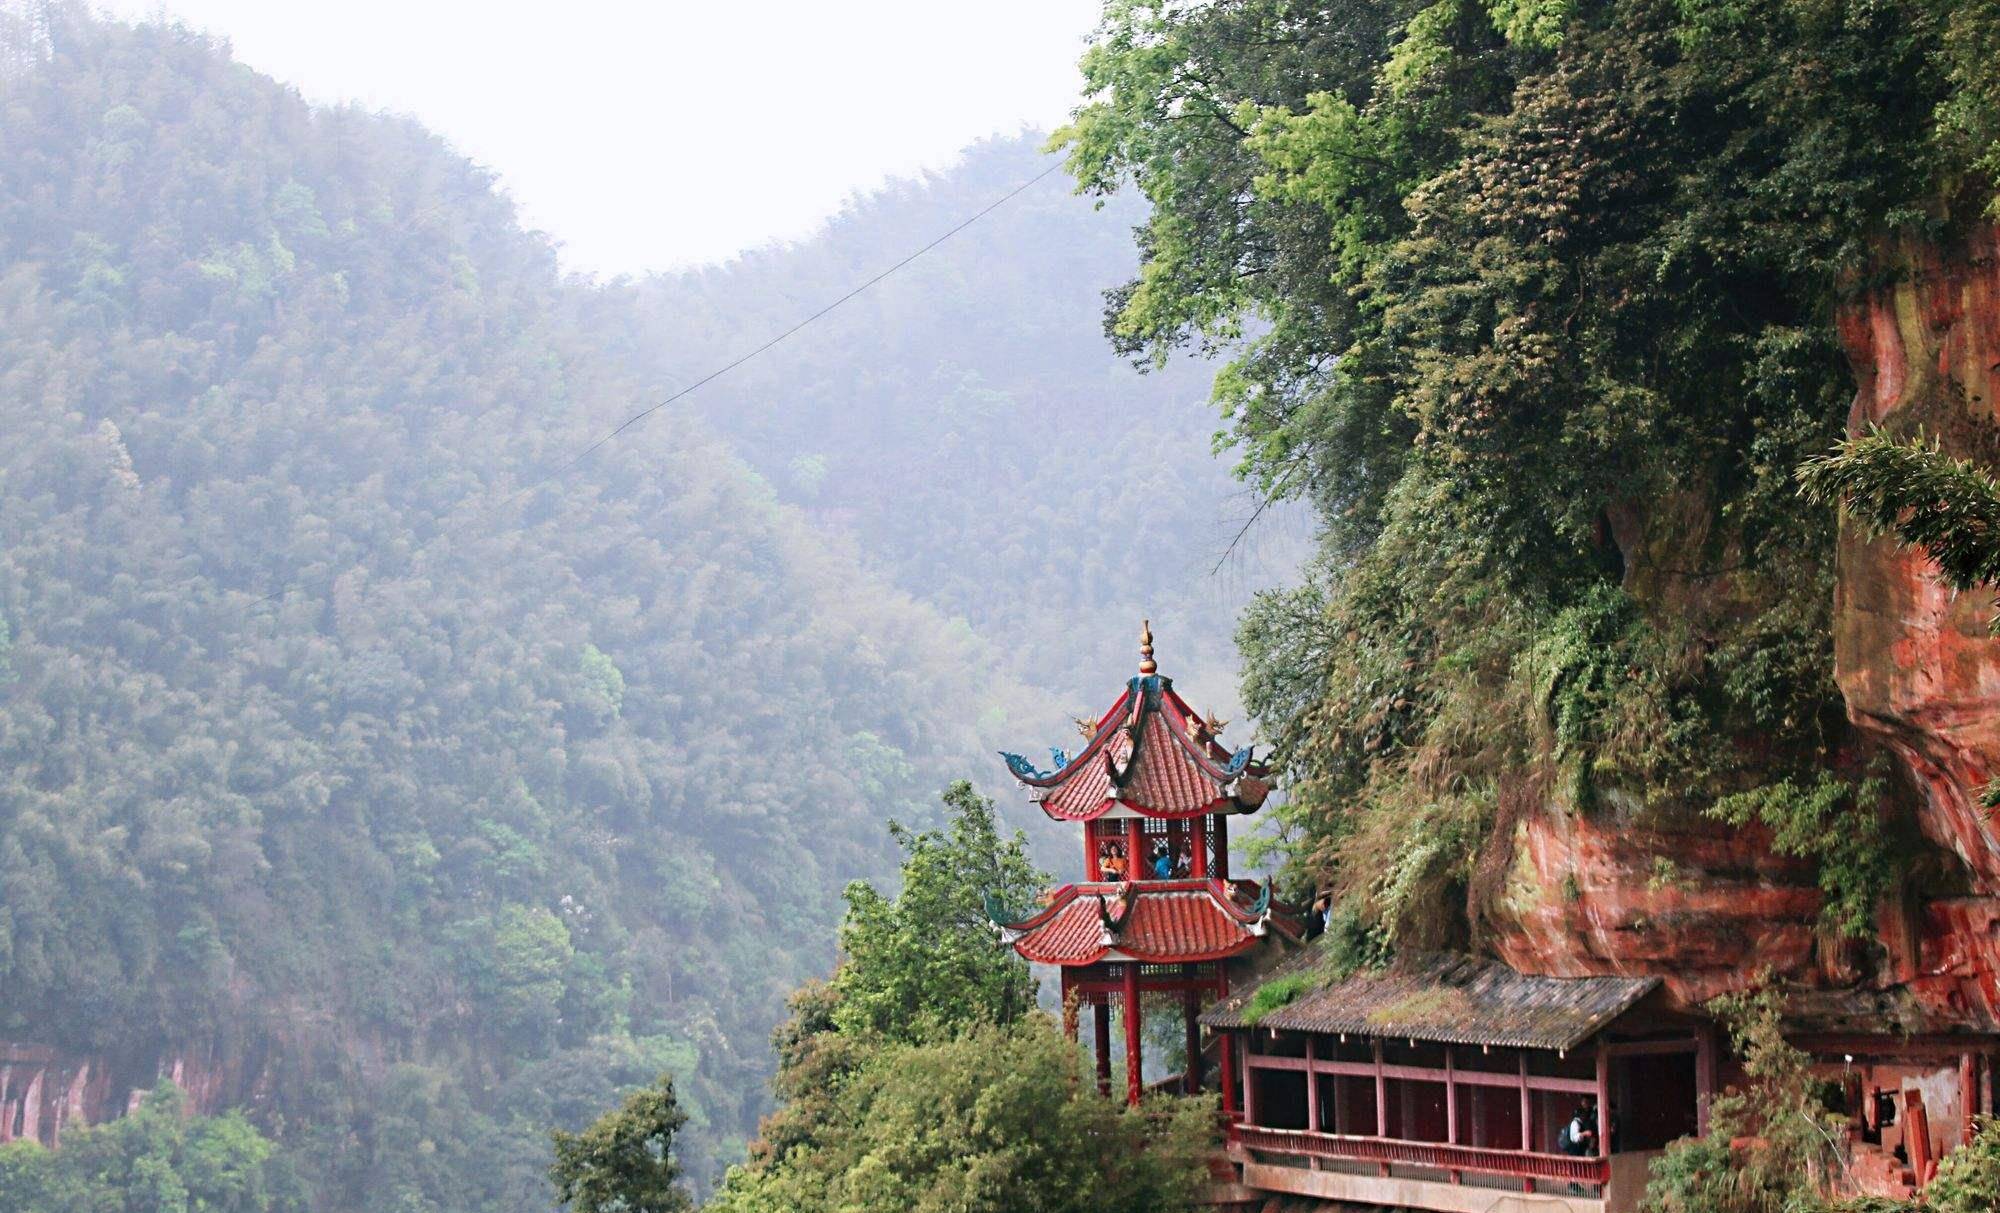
(1111, 861)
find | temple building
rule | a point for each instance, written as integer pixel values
(1440, 1082)
(1448, 1083)
(1158, 913)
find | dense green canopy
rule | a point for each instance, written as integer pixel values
(343, 747)
(1533, 300)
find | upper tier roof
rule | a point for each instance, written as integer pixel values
(1152, 754)
(1152, 922)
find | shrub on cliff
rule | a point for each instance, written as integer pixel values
(1968, 1180)
(158, 1159)
(1770, 1147)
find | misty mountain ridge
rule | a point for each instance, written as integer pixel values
(416, 802)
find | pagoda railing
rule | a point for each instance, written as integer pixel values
(1436, 1155)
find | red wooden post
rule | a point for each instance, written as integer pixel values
(1228, 1077)
(1312, 1083)
(1527, 1108)
(1134, 1085)
(1381, 1094)
(1091, 846)
(1249, 1080)
(1102, 1014)
(1603, 1100)
(1221, 871)
(1968, 1097)
(1198, 862)
(1135, 850)
(1450, 1100)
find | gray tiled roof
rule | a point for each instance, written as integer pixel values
(1452, 999)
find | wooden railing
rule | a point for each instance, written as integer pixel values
(1436, 1155)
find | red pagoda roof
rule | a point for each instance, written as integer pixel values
(1151, 922)
(1152, 754)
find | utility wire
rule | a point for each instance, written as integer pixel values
(610, 435)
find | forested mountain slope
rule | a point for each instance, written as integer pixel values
(352, 769)
(966, 425)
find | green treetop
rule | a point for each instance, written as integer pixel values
(926, 959)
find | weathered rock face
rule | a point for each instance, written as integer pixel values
(1918, 664)
(44, 1091)
(1710, 907)
(1703, 905)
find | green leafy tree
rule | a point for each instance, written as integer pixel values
(1771, 1145)
(1968, 1179)
(1924, 497)
(926, 960)
(158, 1159)
(624, 1162)
(995, 1120)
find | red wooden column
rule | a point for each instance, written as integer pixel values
(1191, 1073)
(1249, 1079)
(1091, 866)
(1312, 1083)
(1381, 1094)
(1603, 1099)
(1451, 1109)
(1527, 1108)
(1135, 850)
(1527, 1119)
(1198, 861)
(1227, 1051)
(1968, 1092)
(1101, 1013)
(1221, 871)
(1133, 1082)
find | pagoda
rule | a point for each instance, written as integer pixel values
(1158, 912)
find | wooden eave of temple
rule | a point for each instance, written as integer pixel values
(1152, 922)
(1151, 755)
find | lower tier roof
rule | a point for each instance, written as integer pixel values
(1150, 922)
(1446, 998)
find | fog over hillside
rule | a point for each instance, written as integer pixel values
(416, 800)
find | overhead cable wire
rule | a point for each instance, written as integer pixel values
(748, 355)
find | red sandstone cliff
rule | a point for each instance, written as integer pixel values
(45, 1090)
(1711, 907)
(1919, 665)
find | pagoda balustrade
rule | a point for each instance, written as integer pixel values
(1431, 1155)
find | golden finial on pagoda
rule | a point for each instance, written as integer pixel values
(1146, 663)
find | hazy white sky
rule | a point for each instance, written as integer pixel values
(648, 136)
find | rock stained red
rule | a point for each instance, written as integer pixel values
(1710, 906)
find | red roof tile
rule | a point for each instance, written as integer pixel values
(1153, 922)
(1150, 761)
